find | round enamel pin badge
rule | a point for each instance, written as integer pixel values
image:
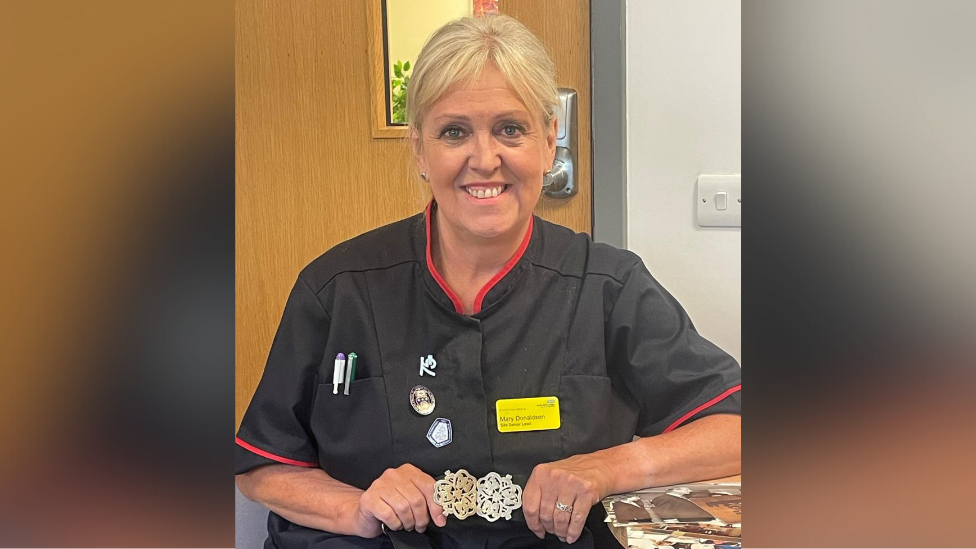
(422, 400)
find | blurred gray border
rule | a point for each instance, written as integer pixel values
(609, 120)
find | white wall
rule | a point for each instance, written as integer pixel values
(683, 119)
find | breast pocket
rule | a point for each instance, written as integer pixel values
(585, 408)
(353, 431)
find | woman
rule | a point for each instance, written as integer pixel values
(456, 316)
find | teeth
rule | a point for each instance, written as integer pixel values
(485, 193)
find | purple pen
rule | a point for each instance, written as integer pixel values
(339, 373)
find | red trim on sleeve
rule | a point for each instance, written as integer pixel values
(433, 270)
(508, 267)
(269, 455)
(712, 402)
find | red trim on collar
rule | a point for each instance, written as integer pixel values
(508, 267)
(269, 455)
(712, 402)
(479, 299)
(433, 270)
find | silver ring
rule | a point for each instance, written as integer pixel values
(564, 508)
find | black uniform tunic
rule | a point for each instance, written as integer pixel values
(566, 317)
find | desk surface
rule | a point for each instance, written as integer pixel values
(733, 478)
(621, 533)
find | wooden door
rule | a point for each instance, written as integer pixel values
(309, 172)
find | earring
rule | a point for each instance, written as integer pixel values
(547, 179)
(423, 175)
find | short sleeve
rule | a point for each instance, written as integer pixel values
(653, 350)
(275, 427)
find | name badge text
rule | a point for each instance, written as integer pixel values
(527, 414)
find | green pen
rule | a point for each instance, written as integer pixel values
(350, 371)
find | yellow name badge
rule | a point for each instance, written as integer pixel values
(527, 414)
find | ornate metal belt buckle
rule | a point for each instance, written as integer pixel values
(498, 497)
(457, 494)
(492, 496)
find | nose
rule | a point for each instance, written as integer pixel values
(484, 154)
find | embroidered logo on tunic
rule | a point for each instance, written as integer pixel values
(427, 366)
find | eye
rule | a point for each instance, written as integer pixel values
(512, 130)
(452, 132)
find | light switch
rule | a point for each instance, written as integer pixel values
(721, 201)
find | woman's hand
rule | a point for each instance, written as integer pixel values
(578, 482)
(401, 498)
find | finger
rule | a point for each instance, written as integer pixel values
(561, 519)
(580, 511)
(418, 505)
(425, 483)
(531, 496)
(401, 507)
(385, 514)
(547, 508)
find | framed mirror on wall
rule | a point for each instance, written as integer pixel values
(398, 30)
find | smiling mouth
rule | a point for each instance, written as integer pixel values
(486, 192)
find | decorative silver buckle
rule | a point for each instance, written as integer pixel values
(492, 496)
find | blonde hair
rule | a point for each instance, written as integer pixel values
(458, 52)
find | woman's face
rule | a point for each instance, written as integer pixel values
(484, 154)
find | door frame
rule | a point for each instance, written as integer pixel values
(608, 93)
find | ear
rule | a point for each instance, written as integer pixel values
(417, 146)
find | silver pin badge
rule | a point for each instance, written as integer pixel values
(422, 400)
(440, 433)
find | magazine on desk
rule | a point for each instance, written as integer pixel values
(687, 516)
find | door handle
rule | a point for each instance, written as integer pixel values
(561, 181)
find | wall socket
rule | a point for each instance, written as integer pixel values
(719, 199)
